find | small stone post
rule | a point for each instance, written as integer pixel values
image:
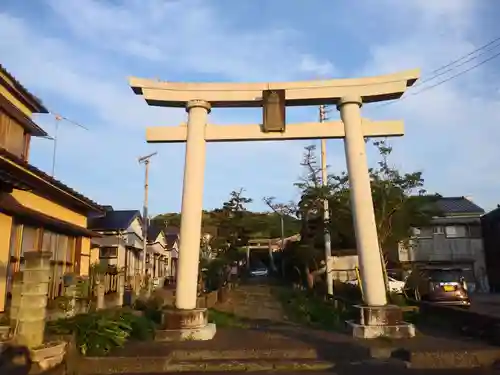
(70, 292)
(100, 295)
(17, 284)
(32, 308)
(120, 290)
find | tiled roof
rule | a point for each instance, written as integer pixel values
(457, 205)
(172, 230)
(171, 239)
(153, 232)
(40, 107)
(49, 179)
(113, 220)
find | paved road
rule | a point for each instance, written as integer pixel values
(486, 303)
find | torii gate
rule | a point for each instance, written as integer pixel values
(347, 94)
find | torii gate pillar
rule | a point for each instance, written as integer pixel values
(192, 199)
(362, 202)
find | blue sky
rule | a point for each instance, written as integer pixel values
(76, 55)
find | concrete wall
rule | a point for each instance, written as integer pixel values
(343, 267)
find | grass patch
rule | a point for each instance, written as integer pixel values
(307, 309)
(223, 319)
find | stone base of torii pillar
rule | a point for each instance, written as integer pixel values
(381, 321)
(185, 325)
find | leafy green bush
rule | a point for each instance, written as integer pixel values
(142, 328)
(151, 308)
(305, 308)
(397, 299)
(347, 291)
(215, 273)
(99, 332)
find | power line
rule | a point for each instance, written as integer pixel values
(420, 83)
(458, 74)
(467, 55)
(443, 81)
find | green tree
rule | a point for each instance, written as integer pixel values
(231, 218)
(233, 221)
(399, 199)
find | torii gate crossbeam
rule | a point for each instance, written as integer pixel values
(302, 131)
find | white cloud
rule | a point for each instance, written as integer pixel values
(189, 36)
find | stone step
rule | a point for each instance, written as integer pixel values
(207, 361)
(162, 365)
(249, 365)
(237, 354)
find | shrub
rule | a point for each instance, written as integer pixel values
(99, 332)
(305, 308)
(215, 276)
(151, 308)
(347, 291)
(142, 328)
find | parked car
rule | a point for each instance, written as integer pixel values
(438, 285)
(395, 286)
(259, 270)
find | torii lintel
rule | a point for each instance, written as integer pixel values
(237, 95)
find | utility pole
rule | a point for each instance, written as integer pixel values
(326, 211)
(145, 222)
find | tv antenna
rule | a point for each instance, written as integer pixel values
(58, 119)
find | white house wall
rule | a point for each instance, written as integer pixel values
(134, 234)
(161, 240)
(135, 227)
(107, 240)
(156, 249)
(343, 267)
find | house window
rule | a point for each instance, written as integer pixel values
(423, 232)
(475, 231)
(438, 230)
(108, 252)
(62, 248)
(456, 231)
